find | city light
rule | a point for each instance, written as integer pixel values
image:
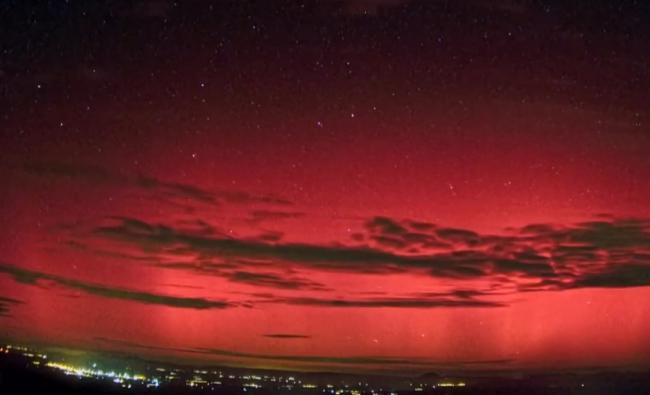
(158, 376)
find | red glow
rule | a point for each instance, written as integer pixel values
(278, 203)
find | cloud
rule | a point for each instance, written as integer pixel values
(160, 237)
(232, 272)
(461, 236)
(176, 190)
(419, 303)
(368, 361)
(465, 263)
(605, 253)
(616, 234)
(616, 277)
(33, 278)
(456, 298)
(408, 236)
(6, 303)
(271, 236)
(161, 189)
(286, 336)
(273, 280)
(466, 269)
(385, 226)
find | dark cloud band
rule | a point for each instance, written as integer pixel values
(33, 277)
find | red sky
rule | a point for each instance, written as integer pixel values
(371, 195)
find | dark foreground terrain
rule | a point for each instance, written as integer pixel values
(18, 376)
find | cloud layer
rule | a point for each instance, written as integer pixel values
(610, 252)
(477, 270)
(454, 267)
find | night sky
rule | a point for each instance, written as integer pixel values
(360, 185)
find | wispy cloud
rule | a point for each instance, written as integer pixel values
(420, 303)
(33, 277)
(273, 280)
(357, 361)
(6, 303)
(286, 336)
(161, 189)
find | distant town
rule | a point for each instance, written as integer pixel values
(28, 369)
(155, 376)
